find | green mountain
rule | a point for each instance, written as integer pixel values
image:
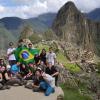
(11, 27)
(94, 15)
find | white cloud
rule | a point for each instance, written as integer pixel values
(87, 5)
(24, 11)
(32, 8)
(2, 9)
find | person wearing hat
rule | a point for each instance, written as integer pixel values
(44, 82)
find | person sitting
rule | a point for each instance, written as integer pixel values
(15, 75)
(3, 71)
(31, 70)
(51, 70)
(43, 82)
(15, 69)
(43, 56)
(24, 70)
(4, 78)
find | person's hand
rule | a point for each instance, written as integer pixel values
(43, 74)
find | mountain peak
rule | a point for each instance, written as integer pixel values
(69, 3)
(70, 6)
(68, 14)
(72, 26)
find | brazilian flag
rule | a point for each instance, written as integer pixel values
(25, 55)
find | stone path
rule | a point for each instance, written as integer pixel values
(21, 93)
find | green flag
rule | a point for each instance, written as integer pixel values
(25, 55)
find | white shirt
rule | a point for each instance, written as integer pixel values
(49, 79)
(12, 56)
(51, 57)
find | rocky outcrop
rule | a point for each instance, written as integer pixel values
(73, 27)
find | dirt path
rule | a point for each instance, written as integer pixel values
(21, 93)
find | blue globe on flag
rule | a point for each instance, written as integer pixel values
(25, 55)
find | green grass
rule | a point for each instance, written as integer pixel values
(72, 67)
(41, 46)
(62, 59)
(73, 94)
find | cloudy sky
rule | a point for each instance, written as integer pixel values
(33, 8)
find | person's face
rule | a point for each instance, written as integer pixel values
(2, 61)
(30, 45)
(38, 74)
(31, 65)
(43, 51)
(42, 63)
(23, 66)
(50, 50)
(18, 63)
(49, 65)
(11, 44)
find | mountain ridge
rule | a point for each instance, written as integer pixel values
(73, 27)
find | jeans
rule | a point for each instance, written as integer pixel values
(48, 89)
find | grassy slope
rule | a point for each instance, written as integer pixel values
(72, 67)
(73, 94)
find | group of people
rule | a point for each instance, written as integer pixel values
(41, 71)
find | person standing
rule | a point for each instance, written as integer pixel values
(43, 56)
(51, 57)
(10, 54)
(30, 46)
